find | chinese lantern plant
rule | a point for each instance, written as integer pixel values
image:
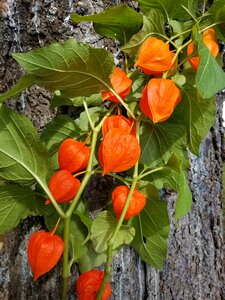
(137, 123)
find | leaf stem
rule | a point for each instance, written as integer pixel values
(88, 115)
(116, 176)
(180, 34)
(211, 26)
(56, 226)
(121, 101)
(168, 73)
(55, 204)
(185, 8)
(150, 172)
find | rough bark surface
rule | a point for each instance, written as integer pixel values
(195, 265)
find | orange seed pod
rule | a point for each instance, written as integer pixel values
(159, 98)
(88, 285)
(209, 34)
(154, 57)
(121, 84)
(44, 251)
(119, 121)
(119, 151)
(63, 186)
(73, 155)
(119, 197)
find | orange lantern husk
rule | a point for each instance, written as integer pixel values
(118, 121)
(44, 251)
(121, 83)
(119, 151)
(88, 285)
(119, 198)
(63, 186)
(154, 57)
(159, 98)
(73, 155)
(209, 34)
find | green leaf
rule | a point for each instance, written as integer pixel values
(95, 114)
(217, 16)
(23, 157)
(171, 9)
(81, 247)
(173, 176)
(196, 114)
(74, 68)
(152, 23)
(159, 141)
(22, 84)
(102, 229)
(60, 128)
(93, 100)
(78, 235)
(179, 28)
(139, 81)
(78, 231)
(119, 22)
(210, 78)
(92, 259)
(152, 229)
(14, 206)
(184, 199)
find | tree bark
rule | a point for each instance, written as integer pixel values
(195, 265)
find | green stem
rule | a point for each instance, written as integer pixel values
(211, 26)
(189, 13)
(88, 115)
(149, 172)
(204, 6)
(55, 204)
(113, 238)
(180, 34)
(168, 73)
(120, 178)
(68, 215)
(68, 218)
(166, 38)
(65, 274)
(122, 102)
(126, 63)
(111, 241)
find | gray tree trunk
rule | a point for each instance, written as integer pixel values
(195, 265)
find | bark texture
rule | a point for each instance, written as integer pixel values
(195, 265)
